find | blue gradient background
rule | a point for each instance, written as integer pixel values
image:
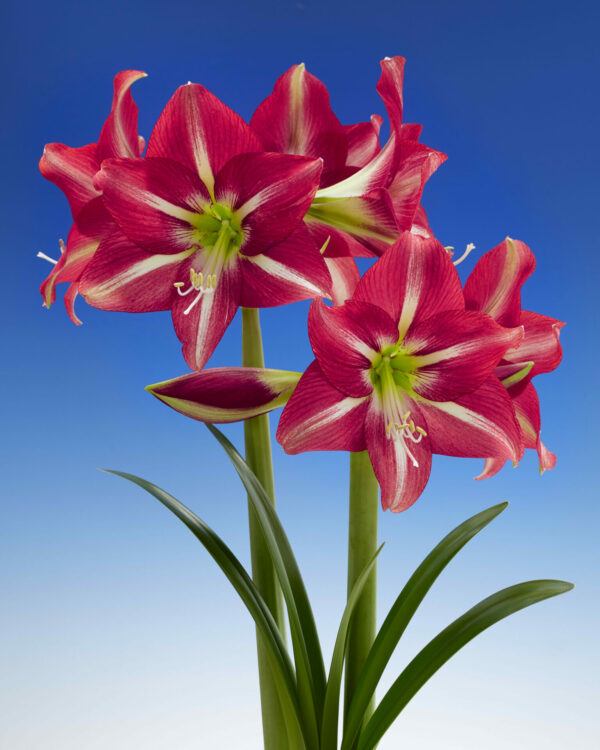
(117, 630)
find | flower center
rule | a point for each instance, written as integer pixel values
(219, 234)
(392, 372)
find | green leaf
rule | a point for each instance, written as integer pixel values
(402, 612)
(331, 709)
(310, 669)
(447, 643)
(282, 668)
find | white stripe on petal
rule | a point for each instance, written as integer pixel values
(281, 271)
(153, 263)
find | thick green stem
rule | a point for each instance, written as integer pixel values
(362, 545)
(258, 456)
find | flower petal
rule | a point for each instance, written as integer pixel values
(291, 271)
(494, 286)
(416, 164)
(454, 352)
(363, 141)
(318, 417)
(344, 278)
(410, 131)
(72, 170)
(154, 201)
(227, 394)
(200, 319)
(414, 280)
(270, 194)
(119, 136)
(540, 343)
(377, 173)
(297, 119)
(125, 277)
(389, 88)
(527, 410)
(491, 467)
(478, 425)
(199, 131)
(402, 467)
(91, 225)
(368, 218)
(345, 341)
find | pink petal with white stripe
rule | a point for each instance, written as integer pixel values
(344, 278)
(227, 394)
(478, 425)
(420, 223)
(416, 165)
(527, 410)
(456, 351)
(291, 271)
(201, 317)
(491, 467)
(414, 280)
(154, 201)
(119, 136)
(125, 277)
(494, 286)
(199, 131)
(402, 466)
(346, 340)
(91, 225)
(389, 88)
(369, 218)
(363, 141)
(297, 119)
(377, 173)
(270, 194)
(72, 170)
(540, 343)
(318, 417)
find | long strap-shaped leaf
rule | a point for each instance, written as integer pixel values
(310, 669)
(447, 643)
(242, 583)
(331, 709)
(402, 612)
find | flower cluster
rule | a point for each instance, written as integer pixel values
(220, 213)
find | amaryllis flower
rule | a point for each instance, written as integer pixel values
(73, 170)
(367, 194)
(494, 287)
(207, 222)
(403, 370)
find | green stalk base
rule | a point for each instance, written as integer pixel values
(362, 545)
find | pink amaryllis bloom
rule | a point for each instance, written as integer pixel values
(403, 370)
(494, 287)
(73, 171)
(207, 221)
(367, 194)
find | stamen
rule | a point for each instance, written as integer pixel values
(43, 256)
(467, 252)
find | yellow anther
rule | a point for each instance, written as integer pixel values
(200, 279)
(214, 281)
(208, 281)
(411, 426)
(422, 431)
(405, 416)
(178, 283)
(388, 428)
